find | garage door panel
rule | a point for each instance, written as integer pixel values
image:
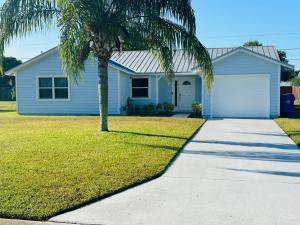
(240, 96)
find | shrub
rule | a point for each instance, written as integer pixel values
(159, 107)
(137, 109)
(168, 107)
(13, 93)
(149, 108)
(129, 107)
(196, 107)
(296, 81)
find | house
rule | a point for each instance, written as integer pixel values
(246, 84)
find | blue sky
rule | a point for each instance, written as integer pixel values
(219, 24)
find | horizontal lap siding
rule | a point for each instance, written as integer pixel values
(165, 91)
(243, 63)
(83, 95)
(124, 88)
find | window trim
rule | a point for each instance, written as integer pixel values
(149, 87)
(53, 99)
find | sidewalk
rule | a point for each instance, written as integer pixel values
(25, 222)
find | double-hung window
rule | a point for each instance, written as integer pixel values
(140, 87)
(53, 88)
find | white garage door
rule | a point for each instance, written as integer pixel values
(241, 96)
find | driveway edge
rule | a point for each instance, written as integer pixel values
(93, 200)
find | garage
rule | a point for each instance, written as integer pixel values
(246, 83)
(241, 96)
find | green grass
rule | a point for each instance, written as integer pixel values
(50, 164)
(292, 126)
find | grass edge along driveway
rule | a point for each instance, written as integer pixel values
(52, 164)
(291, 126)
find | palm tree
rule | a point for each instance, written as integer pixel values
(95, 27)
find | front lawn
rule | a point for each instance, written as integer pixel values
(292, 126)
(50, 164)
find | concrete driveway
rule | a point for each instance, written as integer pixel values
(234, 171)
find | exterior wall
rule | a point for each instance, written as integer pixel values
(83, 96)
(165, 91)
(242, 63)
(198, 89)
(124, 88)
(152, 92)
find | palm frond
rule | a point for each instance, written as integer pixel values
(74, 47)
(19, 18)
(174, 34)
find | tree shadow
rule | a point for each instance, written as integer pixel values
(155, 146)
(264, 134)
(252, 144)
(146, 134)
(249, 155)
(269, 172)
(4, 110)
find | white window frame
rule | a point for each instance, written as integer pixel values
(149, 85)
(53, 89)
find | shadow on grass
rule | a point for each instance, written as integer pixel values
(156, 147)
(134, 184)
(145, 134)
(5, 111)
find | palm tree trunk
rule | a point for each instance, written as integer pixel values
(103, 92)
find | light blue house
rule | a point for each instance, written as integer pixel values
(246, 84)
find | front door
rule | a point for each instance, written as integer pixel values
(184, 93)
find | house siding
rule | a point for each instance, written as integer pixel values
(242, 63)
(124, 88)
(198, 87)
(165, 91)
(83, 95)
(152, 92)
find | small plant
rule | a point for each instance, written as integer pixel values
(129, 107)
(168, 107)
(159, 107)
(137, 109)
(196, 107)
(149, 108)
(296, 81)
(13, 93)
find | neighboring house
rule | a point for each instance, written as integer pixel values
(246, 84)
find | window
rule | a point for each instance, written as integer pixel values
(140, 87)
(186, 83)
(53, 88)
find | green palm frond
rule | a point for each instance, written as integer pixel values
(98, 26)
(74, 46)
(19, 18)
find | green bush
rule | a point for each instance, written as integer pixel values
(159, 107)
(129, 107)
(196, 107)
(296, 81)
(168, 107)
(149, 108)
(13, 94)
(137, 109)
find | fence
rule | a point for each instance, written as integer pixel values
(296, 92)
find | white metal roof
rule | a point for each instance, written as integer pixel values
(143, 62)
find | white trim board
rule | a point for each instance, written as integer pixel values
(241, 49)
(53, 99)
